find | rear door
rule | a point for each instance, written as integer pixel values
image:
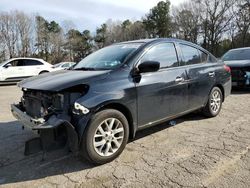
(32, 67)
(200, 74)
(161, 94)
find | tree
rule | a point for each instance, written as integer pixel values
(187, 21)
(24, 26)
(50, 40)
(158, 20)
(79, 44)
(215, 17)
(9, 32)
(242, 21)
(101, 36)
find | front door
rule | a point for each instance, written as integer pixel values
(161, 94)
(14, 70)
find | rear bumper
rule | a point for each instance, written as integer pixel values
(227, 88)
(240, 78)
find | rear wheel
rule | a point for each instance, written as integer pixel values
(214, 103)
(105, 137)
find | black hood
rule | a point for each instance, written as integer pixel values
(238, 63)
(59, 80)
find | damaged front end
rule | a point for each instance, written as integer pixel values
(51, 115)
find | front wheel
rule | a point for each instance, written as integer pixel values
(214, 103)
(106, 136)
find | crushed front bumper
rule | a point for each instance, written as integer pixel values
(44, 126)
(25, 119)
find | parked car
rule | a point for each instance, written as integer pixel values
(63, 65)
(120, 89)
(239, 61)
(16, 69)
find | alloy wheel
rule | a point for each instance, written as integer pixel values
(108, 137)
(215, 103)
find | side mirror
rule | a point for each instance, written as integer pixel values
(7, 65)
(149, 66)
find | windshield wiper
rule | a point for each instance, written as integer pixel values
(85, 68)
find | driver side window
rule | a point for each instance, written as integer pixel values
(163, 53)
(16, 63)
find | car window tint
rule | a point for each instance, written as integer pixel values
(190, 54)
(13, 63)
(164, 53)
(212, 59)
(203, 56)
(29, 62)
(65, 65)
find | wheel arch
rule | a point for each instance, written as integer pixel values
(222, 91)
(125, 111)
(43, 71)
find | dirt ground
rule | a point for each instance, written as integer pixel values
(196, 152)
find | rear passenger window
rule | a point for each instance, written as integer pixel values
(164, 53)
(191, 55)
(32, 62)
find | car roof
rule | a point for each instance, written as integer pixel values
(155, 40)
(30, 58)
(243, 48)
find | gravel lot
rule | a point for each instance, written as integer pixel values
(196, 152)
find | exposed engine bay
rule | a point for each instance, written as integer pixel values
(52, 112)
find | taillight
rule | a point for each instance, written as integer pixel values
(227, 68)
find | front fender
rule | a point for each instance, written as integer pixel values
(95, 101)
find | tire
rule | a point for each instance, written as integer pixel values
(214, 103)
(101, 145)
(43, 72)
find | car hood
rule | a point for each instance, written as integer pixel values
(59, 80)
(239, 63)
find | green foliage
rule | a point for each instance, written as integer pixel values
(158, 21)
(79, 44)
(101, 36)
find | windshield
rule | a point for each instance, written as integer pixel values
(107, 58)
(234, 55)
(1, 64)
(57, 65)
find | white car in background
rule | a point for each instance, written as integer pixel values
(16, 69)
(63, 65)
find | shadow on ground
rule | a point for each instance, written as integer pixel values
(237, 91)
(15, 167)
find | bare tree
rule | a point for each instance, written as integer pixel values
(8, 31)
(187, 21)
(24, 28)
(242, 21)
(215, 17)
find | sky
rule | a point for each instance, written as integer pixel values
(85, 14)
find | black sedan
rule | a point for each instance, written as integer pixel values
(239, 61)
(118, 90)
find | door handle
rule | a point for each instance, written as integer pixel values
(179, 79)
(211, 74)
